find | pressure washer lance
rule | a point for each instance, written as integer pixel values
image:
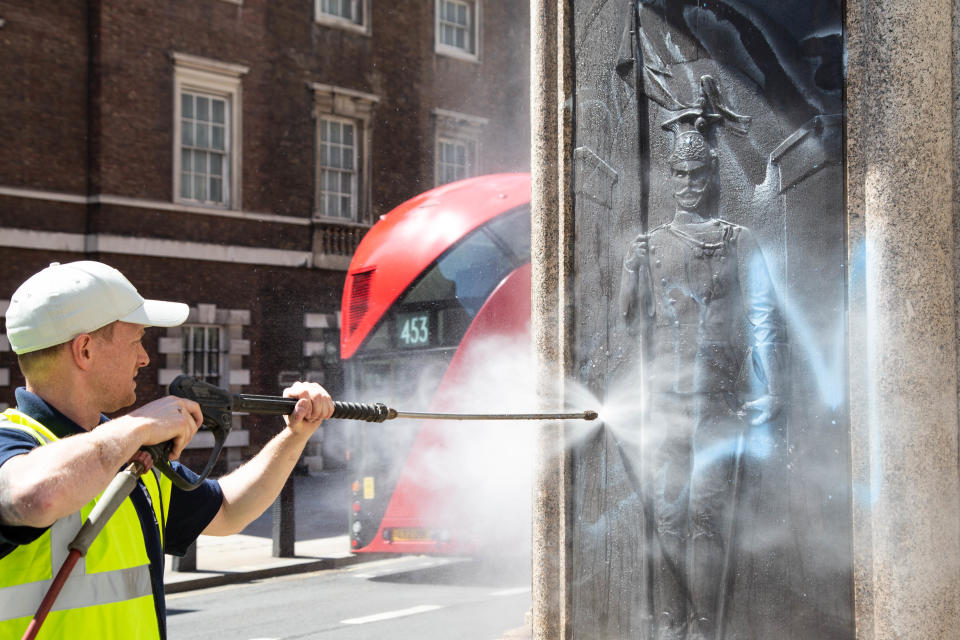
(379, 412)
(218, 405)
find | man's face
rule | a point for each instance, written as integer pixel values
(119, 356)
(691, 180)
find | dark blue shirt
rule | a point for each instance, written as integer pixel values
(190, 511)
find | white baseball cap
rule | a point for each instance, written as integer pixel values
(64, 300)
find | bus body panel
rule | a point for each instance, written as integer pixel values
(434, 286)
(434, 496)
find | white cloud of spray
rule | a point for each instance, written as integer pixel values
(484, 469)
(481, 469)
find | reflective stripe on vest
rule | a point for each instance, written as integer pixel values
(109, 589)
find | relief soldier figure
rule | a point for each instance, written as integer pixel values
(699, 292)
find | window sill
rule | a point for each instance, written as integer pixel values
(341, 23)
(459, 54)
(202, 205)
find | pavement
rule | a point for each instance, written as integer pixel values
(321, 506)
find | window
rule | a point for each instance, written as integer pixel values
(455, 25)
(455, 160)
(200, 355)
(349, 14)
(209, 346)
(206, 159)
(203, 148)
(344, 134)
(338, 169)
(457, 28)
(321, 351)
(347, 9)
(456, 153)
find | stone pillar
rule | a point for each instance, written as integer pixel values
(551, 237)
(904, 407)
(903, 330)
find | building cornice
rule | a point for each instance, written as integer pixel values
(16, 238)
(209, 65)
(318, 87)
(142, 203)
(455, 117)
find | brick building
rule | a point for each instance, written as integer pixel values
(230, 154)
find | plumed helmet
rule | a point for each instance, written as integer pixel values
(691, 145)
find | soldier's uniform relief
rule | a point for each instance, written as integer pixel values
(710, 283)
(699, 288)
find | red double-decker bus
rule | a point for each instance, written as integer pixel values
(436, 287)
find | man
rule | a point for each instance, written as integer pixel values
(700, 289)
(77, 331)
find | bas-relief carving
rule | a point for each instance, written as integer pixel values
(694, 207)
(700, 290)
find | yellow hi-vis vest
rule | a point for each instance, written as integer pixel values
(109, 593)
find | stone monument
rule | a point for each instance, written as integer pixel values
(725, 259)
